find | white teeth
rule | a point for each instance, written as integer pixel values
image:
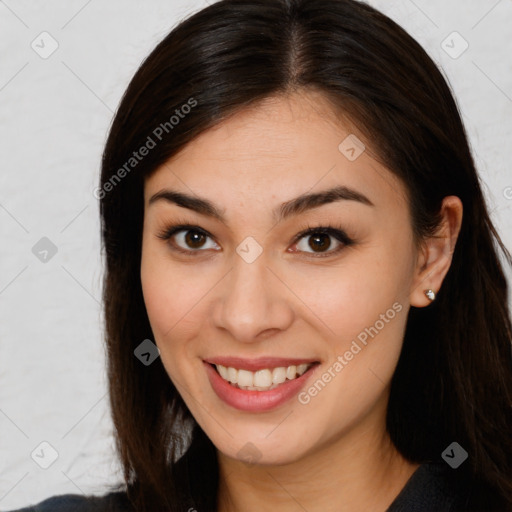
(302, 368)
(291, 372)
(232, 375)
(223, 371)
(245, 378)
(261, 380)
(279, 375)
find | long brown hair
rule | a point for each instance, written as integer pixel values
(453, 381)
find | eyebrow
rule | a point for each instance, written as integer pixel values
(287, 209)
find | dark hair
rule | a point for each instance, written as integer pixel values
(453, 381)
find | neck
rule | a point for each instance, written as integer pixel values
(359, 471)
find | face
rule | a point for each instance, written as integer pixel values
(247, 289)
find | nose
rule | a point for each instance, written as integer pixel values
(252, 302)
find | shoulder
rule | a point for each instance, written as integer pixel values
(436, 486)
(112, 502)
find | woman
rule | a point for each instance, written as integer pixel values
(302, 277)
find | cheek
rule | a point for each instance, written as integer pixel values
(163, 290)
(353, 295)
(165, 307)
(174, 299)
(360, 307)
(162, 298)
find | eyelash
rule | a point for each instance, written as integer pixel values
(335, 231)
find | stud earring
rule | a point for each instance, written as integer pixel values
(430, 294)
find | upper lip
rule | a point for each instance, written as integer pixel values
(259, 363)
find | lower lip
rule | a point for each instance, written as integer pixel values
(256, 401)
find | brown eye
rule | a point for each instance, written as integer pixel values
(194, 239)
(186, 238)
(191, 239)
(317, 241)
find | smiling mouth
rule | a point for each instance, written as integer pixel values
(261, 380)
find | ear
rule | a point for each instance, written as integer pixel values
(436, 253)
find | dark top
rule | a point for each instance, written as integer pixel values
(431, 488)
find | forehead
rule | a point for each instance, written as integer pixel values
(280, 148)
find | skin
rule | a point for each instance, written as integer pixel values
(333, 453)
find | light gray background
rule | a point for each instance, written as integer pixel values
(54, 116)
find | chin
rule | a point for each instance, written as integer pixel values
(256, 447)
